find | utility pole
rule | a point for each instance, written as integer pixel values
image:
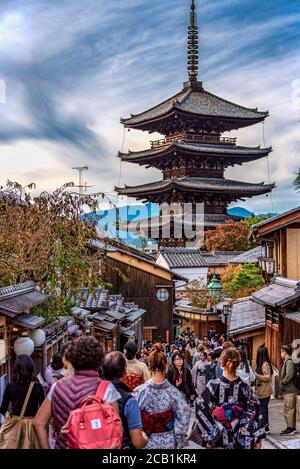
(81, 185)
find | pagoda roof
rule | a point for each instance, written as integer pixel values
(222, 186)
(232, 152)
(197, 102)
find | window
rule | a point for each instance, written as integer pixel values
(162, 294)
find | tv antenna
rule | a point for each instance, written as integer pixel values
(82, 186)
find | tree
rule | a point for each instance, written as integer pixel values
(227, 277)
(254, 219)
(296, 183)
(46, 239)
(228, 237)
(245, 281)
(197, 293)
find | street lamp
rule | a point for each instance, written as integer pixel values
(214, 289)
(267, 265)
(226, 312)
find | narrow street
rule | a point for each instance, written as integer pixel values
(277, 424)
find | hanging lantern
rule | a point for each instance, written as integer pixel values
(23, 346)
(38, 336)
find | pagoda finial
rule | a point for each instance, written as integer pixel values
(192, 60)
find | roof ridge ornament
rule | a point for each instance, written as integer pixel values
(193, 49)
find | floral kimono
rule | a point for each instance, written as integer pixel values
(165, 415)
(198, 375)
(227, 415)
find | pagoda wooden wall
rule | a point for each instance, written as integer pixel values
(141, 288)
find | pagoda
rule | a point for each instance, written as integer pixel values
(193, 155)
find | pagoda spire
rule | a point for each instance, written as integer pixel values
(192, 58)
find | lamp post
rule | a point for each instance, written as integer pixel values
(226, 314)
(214, 289)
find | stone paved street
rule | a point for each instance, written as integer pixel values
(277, 424)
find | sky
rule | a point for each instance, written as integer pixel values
(69, 69)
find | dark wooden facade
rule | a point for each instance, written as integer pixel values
(141, 286)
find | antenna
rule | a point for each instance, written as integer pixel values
(81, 185)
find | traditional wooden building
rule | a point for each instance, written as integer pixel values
(193, 155)
(140, 280)
(199, 320)
(247, 323)
(280, 237)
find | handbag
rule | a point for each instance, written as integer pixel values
(11, 430)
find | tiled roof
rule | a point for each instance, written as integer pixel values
(199, 184)
(193, 257)
(197, 102)
(246, 316)
(235, 152)
(250, 256)
(295, 316)
(16, 300)
(279, 293)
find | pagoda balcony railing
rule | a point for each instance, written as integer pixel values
(195, 138)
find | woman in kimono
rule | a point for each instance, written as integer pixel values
(164, 411)
(227, 412)
(199, 373)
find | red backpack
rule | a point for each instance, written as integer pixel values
(132, 380)
(95, 424)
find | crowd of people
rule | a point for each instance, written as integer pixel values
(152, 392)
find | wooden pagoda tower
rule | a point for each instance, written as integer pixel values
(193, 155)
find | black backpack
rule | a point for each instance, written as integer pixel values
(297, 375)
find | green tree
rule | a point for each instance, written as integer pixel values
(296, 183)
(245, 281)
(45, 238)
(256, 219)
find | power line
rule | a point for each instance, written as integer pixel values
(268, 166)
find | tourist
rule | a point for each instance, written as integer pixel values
(211, 366)
(227, 412)
(180, 376)
(200, 349)
(211, 333)
(227, 344)
(54, 370)
(23, 385)
(199, 372)
(245, 371)
(68, 368)
(165, 414)
(263, 375)
(288, 390)
(137, 371)
(114, 369)
(86, 356)
(191, 348)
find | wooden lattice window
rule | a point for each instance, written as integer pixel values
(148, 333)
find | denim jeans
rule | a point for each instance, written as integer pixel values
(264, 409)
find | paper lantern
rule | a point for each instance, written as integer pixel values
(23, 346)
(38, 336)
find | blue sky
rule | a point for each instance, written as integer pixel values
(72, 68)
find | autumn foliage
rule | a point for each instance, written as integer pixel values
(44, 238)
(228, 237)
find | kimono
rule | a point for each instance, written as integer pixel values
(198, 375)
(227, 415)
(159, 398)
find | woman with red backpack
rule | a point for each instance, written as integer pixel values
(66, 395)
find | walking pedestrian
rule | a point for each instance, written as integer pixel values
(288, 390)
(165, 413)
(23, 396)
(86, 356)
(179, 375)
(137, 371)
(227, 412)
(199, 372)
(245, 371)
(114, 369)
(263, 375)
